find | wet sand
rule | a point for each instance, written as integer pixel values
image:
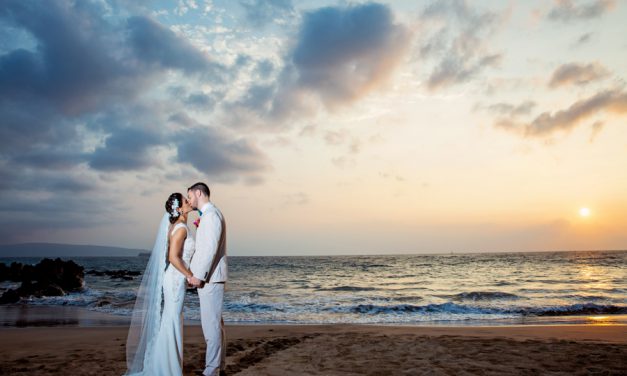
(337, 350)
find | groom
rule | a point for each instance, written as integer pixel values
(209, 270)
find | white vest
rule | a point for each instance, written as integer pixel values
(209, 260)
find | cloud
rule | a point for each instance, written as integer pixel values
(596, 128)
(264, 68)
(343, 53)
(84, 100)
(508, 109)
(35, 201)
(335, 137)
(296, 199)
(84, 79)
(343, 162)
(455, 36)
(355, 146)
(583, 39)
(31, 125)
(339, 55)
(454, 71)
(69, 212)
(547, 123)
(126, 149)
(73, 65)
(201, 101)
(567, 10)
(258, 97)
(214, 152)
(26, 179)
(211, 152)
(577, 74)
(153, 43)
(308, 131)
(49, 158)
(262, 12)
(343, 137)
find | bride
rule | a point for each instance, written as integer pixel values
(155, 339)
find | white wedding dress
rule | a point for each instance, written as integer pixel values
(164, 351)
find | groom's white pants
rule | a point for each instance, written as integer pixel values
(211, 297)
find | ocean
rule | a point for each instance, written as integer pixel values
(445, 289)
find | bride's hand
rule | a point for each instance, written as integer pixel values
(194, 281)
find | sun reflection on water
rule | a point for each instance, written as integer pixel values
(601, 320)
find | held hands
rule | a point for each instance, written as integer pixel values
(193, 281)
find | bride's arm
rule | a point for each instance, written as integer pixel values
(175, 252)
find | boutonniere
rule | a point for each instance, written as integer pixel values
(197, 221)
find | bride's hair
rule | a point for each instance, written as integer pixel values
(174, 201)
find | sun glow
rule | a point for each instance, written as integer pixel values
(584, 212)
(601, 320)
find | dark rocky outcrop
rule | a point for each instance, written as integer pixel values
(47, 278)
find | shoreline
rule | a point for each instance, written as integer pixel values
(24, 315)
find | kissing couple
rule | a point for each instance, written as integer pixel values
(155, 339)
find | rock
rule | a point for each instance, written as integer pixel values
(47, 278)
(9, 297)
(51, 290)
(66, 274)
(15, 272)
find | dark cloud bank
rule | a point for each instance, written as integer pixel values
(74, 106)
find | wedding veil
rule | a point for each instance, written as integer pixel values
(146, 317)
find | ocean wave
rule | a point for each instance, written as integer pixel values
(79, 299)
(410, 308)
(562, 281)
(87, 298)
(113, 310)
(461, 309)
(9, 285)
(504, 283)
(586, 297)
(578, 309)
(485, 295)
(405, 298)
(347, 288)
(251, 307)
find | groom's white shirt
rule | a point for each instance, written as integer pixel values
(209, 260)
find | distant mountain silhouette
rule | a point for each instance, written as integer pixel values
(65, 250)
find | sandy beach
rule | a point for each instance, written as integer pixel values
(337, 350)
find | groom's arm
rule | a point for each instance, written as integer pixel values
(207, 241)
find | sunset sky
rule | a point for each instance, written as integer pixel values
(321, 127)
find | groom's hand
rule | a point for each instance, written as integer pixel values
(194, 281)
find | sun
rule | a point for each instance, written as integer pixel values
(584, 212)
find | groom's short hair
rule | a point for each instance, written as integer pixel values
(200, 187)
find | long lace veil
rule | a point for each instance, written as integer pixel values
(146, 317)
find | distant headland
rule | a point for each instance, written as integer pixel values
(65, 250)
